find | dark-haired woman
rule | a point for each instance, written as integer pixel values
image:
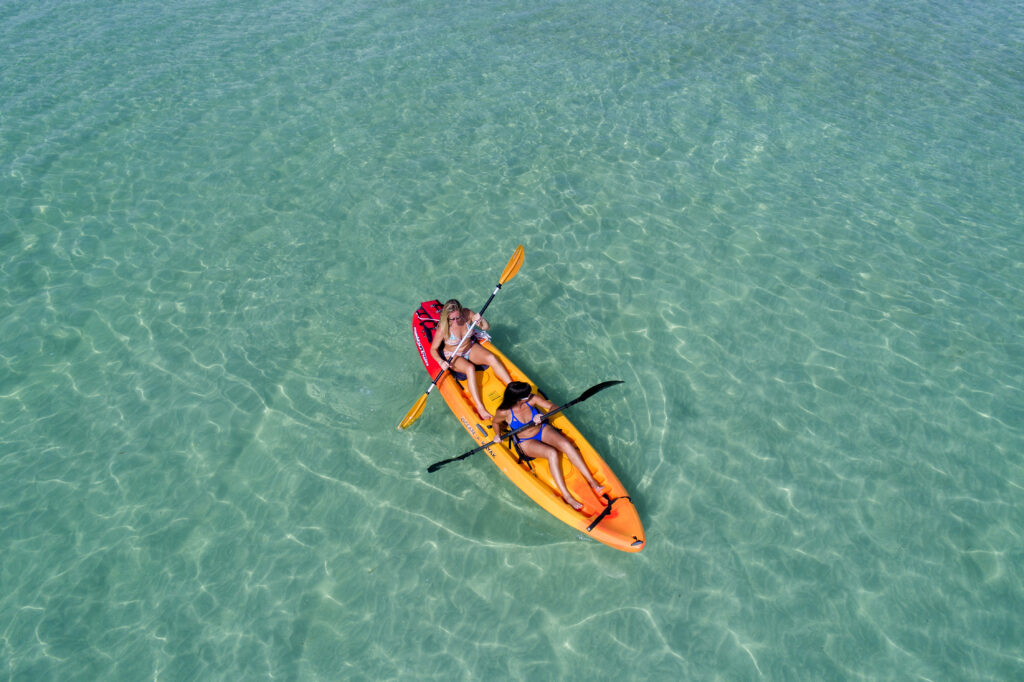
(453, 325)
(519, 408)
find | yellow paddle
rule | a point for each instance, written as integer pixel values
(508, 273)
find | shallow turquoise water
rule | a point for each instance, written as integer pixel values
(795, 230)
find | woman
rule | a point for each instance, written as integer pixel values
(518, 409)
(453, 325)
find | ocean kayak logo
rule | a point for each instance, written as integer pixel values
(423, 352)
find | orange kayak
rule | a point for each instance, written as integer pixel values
(611, 518)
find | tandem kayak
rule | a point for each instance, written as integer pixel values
(611, 518)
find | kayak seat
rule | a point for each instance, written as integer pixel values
(462, 377)
(523, 458)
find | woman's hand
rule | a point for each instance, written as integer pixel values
(444, 365)
(497, 439)
(476, 317)
(538, 419)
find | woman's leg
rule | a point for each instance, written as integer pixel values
(538, 450)
(469, 369)
(556, 439)
(482, 356)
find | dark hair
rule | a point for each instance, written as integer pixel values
(514, 392)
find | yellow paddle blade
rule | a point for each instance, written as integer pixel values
(513, 266)
(414, 413)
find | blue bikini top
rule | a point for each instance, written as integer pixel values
(514, 422)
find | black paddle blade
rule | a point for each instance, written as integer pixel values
(437, 465)
(595, 389)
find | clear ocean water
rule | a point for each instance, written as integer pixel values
(795, 229)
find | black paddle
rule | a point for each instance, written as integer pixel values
(583, 396)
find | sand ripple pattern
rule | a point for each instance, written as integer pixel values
(793, 230)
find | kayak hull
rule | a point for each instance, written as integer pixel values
(611, 519)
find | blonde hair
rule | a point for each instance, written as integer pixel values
(443, 327)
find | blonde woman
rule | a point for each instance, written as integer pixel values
(453, 325)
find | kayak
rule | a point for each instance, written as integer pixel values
(611, 518)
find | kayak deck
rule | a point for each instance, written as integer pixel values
(611, 519)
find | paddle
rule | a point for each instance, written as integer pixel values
(508, 273)
(583, 396)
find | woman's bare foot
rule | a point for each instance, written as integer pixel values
(482, 413)
(599, 489)
(573, 502)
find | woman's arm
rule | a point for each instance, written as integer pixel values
(541, 402)
(435, 351)
(498, 422)
(481, 323)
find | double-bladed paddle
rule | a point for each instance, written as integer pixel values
(583, 396)
(508, 273)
